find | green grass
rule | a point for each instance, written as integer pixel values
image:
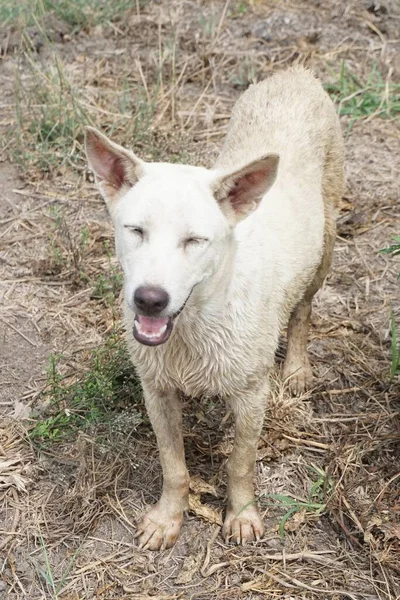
(92, 402)
(360, 99)
(107, 287)
(78, 13)
(54, 586)
(315, 504)
(395, 366)
(49, 118)
(51, 112)
(62, 248)
(53, 104)
(394, 250)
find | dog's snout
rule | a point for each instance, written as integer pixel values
(151, 300)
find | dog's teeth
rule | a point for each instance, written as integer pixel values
(151, 336)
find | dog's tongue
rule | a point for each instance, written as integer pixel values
(151, 326)
(152, 331)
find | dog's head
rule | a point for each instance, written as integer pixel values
(173, 225)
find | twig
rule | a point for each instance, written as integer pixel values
(208, 552)
(19, 333)
(295, 583)
(315, 556)
(13, 531)
(385, 487)
(307, 442)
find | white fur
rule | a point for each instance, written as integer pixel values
(244, 282)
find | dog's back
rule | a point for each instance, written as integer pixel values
(289, 114)
(293, 229)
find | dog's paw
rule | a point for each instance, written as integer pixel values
(243, 526)
(298, 376)
(158, 529)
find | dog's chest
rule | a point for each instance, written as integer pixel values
(205, 358)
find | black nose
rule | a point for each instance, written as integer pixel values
(151, 300)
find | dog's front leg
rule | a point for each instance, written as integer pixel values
(243, 522)
(160, 527)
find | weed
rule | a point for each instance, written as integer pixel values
(49, 118)
(107, 287)
(55, 587)
(239, 9)
(65, 249)
(47, 575)
(315, 504)
(92, 400)
(245, 74)
(78, 13)
(395, 367)
(84, 238)
(51, 112)
(361, 99)
(208, 24)
(394, 250)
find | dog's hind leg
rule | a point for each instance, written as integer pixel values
(160, 527)
(243, 522)
(297, 368)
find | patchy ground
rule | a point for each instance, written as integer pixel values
(78, 459)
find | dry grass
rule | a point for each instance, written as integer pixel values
(163, 77)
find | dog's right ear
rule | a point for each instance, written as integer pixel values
(238, 193)
(116, 170)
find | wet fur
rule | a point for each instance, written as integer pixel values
(225, 340)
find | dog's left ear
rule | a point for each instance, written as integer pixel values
(240, 192)
(116, 169)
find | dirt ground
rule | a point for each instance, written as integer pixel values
(162, 77)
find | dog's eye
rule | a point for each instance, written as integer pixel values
(194, 241)
(137, 230)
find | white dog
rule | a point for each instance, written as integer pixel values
(216, 262)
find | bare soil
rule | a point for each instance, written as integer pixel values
(67, 513)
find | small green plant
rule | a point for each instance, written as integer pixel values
(66, 249)
(315, 504)
(107, 287)
(245, 74)
(394, 250)
(92, 400)
(49, 116)
(78, 13)
(361, 99)
(395, 368)
(239, 9)
(54, 588)
(208, 23)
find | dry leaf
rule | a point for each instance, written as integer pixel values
(190, 566)
(294, 522)
(13, 480)
(199, 486)
(21, 411)
(202, 510)
(224, 447)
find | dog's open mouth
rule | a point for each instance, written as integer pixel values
(152, 331)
